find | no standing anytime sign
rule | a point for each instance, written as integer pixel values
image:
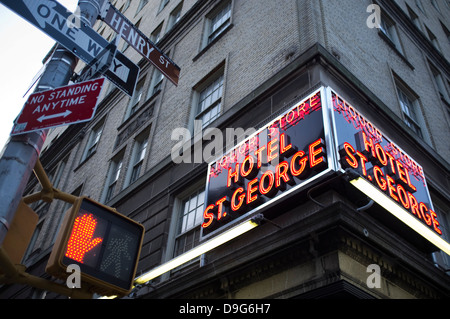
(65, 105)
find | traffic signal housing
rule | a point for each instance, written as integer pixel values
(20, 233)
(105, 245)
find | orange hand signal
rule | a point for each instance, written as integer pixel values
(81, 241)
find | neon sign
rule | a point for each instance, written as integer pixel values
(318, 136)
(285, 155)
(361, 146)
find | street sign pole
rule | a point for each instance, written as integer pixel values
(21, 152)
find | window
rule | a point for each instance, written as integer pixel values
(113, 176)
(141, 5)
(435, 5)
(175, 16)
(55, 175)
(420, 5)
(137, 158)
(156, 83)
(156, 35)
(440, 84)
(433, 39)
(218, 21)
(136, 98)
(446, 31)
(408, 106)
(93, 140)
(189, 221)
(388, 28)
(414, 18)
(210, 100)
(163, 4)
(125, 6)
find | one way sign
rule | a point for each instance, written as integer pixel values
(54, 19)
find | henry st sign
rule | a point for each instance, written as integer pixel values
(65, 105)
(139, 41)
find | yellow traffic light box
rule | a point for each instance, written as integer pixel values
(20, 233)
(103, 243)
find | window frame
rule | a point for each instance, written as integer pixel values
(433, 39)
(138, 155)
(183, 217)
(95, 136)
(439, 82)
(135, 100)
(419, 5)
(141, 6)
(194, 186)
(210, 35)
(388, 29)
(210, 83)
(141, 150)
(56, 173)
(409, 111)
(114, 171)
(435, 5)
(414, 18)
(156, 83)
(175, 16)
(162, 5)
(156, 35)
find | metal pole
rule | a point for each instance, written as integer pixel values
(22, 151)
(15, 274)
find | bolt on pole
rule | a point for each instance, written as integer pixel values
(21, 152)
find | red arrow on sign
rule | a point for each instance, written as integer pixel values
(65, 105)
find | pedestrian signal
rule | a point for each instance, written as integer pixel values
(102, 242)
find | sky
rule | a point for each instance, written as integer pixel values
(23, 47)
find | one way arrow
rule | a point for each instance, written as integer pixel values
(56, 21)
(48, 117)
(45, 6)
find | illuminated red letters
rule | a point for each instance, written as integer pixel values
(316, 149)
(302, 161)
(235, 207)
(208, 216)
(267, 189)
(270, 182)
(233, 176)
(396, 182)
(378, 155)
(250, 190)
(280, 157)
(221, 212)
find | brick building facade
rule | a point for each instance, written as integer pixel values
(243, 63)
